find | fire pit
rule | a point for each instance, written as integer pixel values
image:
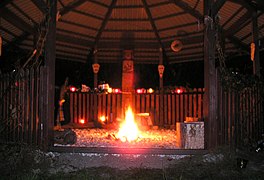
(127, 135)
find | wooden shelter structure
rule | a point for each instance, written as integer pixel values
(70, 29)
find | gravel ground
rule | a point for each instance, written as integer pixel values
(163, 138)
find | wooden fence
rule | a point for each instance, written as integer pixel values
(21, 105)
(241, 120)
(165, 110)
(23, 117)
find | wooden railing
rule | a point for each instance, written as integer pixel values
(21, 106)
(241, 117)
(165, 109)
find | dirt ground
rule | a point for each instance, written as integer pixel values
(19, 161)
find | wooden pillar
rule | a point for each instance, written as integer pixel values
(161, 69)
(210, 80)
(127, 79)
(50, 57)
(256, 61)
(96, 67)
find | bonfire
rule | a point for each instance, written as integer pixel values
(128, 130)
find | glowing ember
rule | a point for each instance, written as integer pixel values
(128, 130)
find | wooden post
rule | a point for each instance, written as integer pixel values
(49, 91)
(127, 79)
(256, 61)
(161, 69)
(210, 100)
(96, 67)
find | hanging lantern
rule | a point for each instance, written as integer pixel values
(161, 70)
(252, 47)
(176, 45)
(96, 67)
(1, 42)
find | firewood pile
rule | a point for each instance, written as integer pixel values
(95, 137)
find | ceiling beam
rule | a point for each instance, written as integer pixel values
(71, 6)
(16, 21)
(185, 6)
(41, 5)
(107, 16)
(244, 3)
(178, 26)
(169, 16)
(152, 23)
(3, 3)
(235, 27)
(217, 6)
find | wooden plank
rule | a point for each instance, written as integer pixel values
(104, 107)
(39, 113)
(75, 110)
(84, 107)
(152, 108)
(161, 109)
(147, 109)
(99, 100)
(173, 109)
(26, 103)
(108, 109)
(165, 109)
(119, 105)
(177, 103)
(169, 109)
(88, 107)
(79, 106)
(138, 103)
(157, 118)
(143, 103)
(186, 105)
(31, 105)
(195, 103)
(114, 107)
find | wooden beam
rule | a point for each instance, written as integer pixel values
(153, 24)
(238, 24)
(210, 79)
(185, 6)
(49, 64)
(88, 14)
(16, 21)
(255, 37)
(79, 25)
(3, 3)
(71, 6)
(217, 6)
(178, 26)
(107, 16)
(41, 5)
(169, 15)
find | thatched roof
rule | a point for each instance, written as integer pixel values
(141, 25)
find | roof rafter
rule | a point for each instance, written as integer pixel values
(217, 6)
(71, 6)
(107, 16)
(3, 3)
(152, 23)
(16, 21)
(41, 5)
(199, 16)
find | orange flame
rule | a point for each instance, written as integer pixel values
(128, 130)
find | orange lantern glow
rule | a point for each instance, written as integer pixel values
(81, 121)
(72, 89)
